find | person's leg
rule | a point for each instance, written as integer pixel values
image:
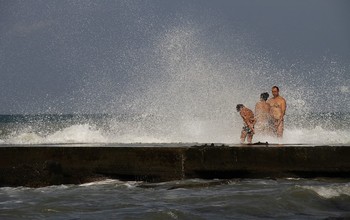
(275, 127)
(249, 138)
(270, 127)
(265, 129)
(243, 136)
(280, 129)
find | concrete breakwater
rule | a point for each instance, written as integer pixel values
(36, 166)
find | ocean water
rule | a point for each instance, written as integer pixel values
(185, 199)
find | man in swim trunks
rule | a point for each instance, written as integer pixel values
(277, 111)
(262, 115)
(248, 123)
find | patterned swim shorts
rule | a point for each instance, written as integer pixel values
(247, 129)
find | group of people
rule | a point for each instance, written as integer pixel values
(268, 119)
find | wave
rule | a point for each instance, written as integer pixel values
(74, 134)
(317, 135)
(114, 182)
(330, 191)
(312, 136)
(193, 132)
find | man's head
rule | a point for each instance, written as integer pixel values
(275, 91)
(264, 96)
(239, 107)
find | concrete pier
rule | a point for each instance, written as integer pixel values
(36, 166)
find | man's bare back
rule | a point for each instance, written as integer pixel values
(249, 121)
(262, 109)
(262, 116)
(248, 117)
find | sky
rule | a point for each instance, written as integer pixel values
(117, 56)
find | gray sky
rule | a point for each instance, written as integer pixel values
(111, 56)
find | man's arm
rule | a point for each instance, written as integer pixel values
(244, 116)
(269, 101)
(283, 107)
(256, 108)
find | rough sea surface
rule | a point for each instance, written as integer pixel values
(185, 199)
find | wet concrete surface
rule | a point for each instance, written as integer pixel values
(43, 165)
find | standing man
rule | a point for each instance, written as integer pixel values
(262, 115)
(248, 123)
(277, 111)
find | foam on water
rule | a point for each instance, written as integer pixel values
(194, 198)
(201, 132)
(76, 133)
(102, 182)
(317, 135)
(83, 133)
(330, 191)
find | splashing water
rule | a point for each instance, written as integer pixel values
(113, 129)
(182, 85)
(332, 191)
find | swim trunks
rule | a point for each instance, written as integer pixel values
(247, 129)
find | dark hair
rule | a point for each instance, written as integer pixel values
(264, 96)
(239, 107)
(276, 87)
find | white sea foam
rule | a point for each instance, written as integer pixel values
(190, 132)
(330, 191)
(24, 138)
(102, 182)
(76, 134)
(317, 135)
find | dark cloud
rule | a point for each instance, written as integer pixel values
(89, 56)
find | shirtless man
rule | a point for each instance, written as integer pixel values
(277, 111)
(248, 123)
(262, 115)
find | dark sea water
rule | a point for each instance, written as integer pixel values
(187, 199)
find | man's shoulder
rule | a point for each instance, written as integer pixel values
(270, 100)
(245, 109)
(262, 104)
(249, 111)
(266, 104)
(282, 99)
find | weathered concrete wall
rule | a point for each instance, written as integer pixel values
(47, 165)
(256, 162)
(38, 166)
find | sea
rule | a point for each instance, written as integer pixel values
(287, 198)
(185, 199)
